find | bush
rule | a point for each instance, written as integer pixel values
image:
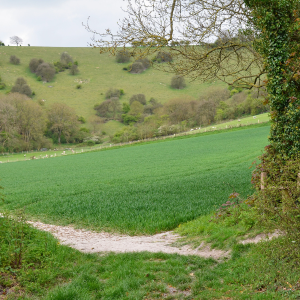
(66, 60)
(14, 60)
(82, 120)
(145, 62)
(178, 82)
(74, 69)
(138, 97)
(34, 63)
(136, 68)
(112, 93)
(123, 56)
(45, 71)
(277, 195)
(21, 87)
(2, 84)
(162, 57)
(58, 67)
(78, 86)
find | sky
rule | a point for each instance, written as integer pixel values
(57, 23)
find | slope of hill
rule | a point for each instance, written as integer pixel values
(97, 74)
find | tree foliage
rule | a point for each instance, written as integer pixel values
(21, 87)
(45, 71)
(14, 60)
(178, 82)
(62, 120)
(34, 63)
(123, 56)
(22, 123)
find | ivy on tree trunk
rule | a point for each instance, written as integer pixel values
(278, 42)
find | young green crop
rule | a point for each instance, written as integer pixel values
(143, 189)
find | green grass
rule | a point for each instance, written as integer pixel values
(99, 73)
(51, 271)
(143, 189)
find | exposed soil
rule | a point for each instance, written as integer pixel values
(91, 242)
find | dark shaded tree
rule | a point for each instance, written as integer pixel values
(139, 98)
(45, 71)
(21, 87)
(34, 63)
(123, 56)
(14, 60)
(178, 82)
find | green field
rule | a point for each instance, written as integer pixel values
(98, 73)
(143, 189)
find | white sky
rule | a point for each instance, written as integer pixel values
(57, 23)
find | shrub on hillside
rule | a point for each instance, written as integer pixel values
(136, 68)
(74, 69)
(66, 60)
(139, 65)
(123, 56)
(14, 60)
(178, 82)
(138, 97)
(163, 57)
(21, 87)
(145, 62)
(109, 109)
(2, 84)
(112, 93)
(34, 63)
(46, 71)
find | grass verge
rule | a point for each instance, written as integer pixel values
(52, 271)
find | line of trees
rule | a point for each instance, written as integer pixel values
(146, 119)
(26, 125)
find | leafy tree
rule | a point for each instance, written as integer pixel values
(109, 109)
(74, 69)
(178, 82)
(163, 57)
(123, 56)
(22, 123)
(136, 109)
(62, 121)
(14, 60)
(21, 87)
(1, 43)
(136, 68)
(34, 63)
(66, 60)
(45, 71)
(2, 84)
(16, 40)
(139, 98)
(112, 93)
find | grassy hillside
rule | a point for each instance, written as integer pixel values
(98, 73)
(143, 189)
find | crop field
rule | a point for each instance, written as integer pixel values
(137, 190)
